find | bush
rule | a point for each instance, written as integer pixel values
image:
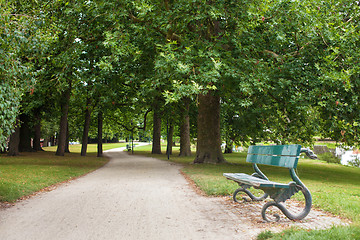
(329, 158)
(355, 162)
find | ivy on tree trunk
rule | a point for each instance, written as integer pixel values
(14, 141)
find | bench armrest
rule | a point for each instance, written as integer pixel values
(308, 153)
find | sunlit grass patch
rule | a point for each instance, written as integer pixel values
(91, 148)
(30, 172)
(334, 233)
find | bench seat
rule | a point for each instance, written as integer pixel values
(246, 179)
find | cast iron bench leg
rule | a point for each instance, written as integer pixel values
(254, 198)
(303, 214)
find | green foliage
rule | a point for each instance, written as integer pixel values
(23, 39)
(285, 70)
(9, 104)
(355, 162)
(329, 158)
(14, 36)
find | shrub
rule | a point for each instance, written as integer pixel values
(355, 162)
(329, 158)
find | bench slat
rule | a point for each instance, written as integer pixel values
(253, 181)
(283, 150)
(278, 155)
(280, 161)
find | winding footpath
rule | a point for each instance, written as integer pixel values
(131, 197)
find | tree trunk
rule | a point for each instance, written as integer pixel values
(156, 144)
(63, 122)
(67, 147)
(86, 129)
(170, 139)
(25, 138)
(52, 141)
(228, 146)
(37, 131)
(46, 142)
(185, 145)
(209, 140)
(14, 141)
(100, 128)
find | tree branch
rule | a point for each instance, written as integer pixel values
(144, 127)
(135, 19)
(273, 54)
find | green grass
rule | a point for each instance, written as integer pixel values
(334, 188)
(334, 233)
(91, 149)
(30, 172)
(331, 145)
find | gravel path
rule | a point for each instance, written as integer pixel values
(134, 197)
(129, 198)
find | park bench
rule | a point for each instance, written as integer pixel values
(286, 156)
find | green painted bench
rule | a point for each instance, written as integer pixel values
(286, 156)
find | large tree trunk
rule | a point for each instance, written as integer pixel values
(37, 131)
(170, 139)
(156, 144)
(86, 129)
(209, 139)
(100, 129)
(185, 145)
(14, 141)
(25, 138)
(63, 122)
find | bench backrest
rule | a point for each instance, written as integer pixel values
(275, 155)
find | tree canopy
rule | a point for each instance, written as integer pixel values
(284, 70)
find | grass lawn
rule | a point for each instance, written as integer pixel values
(30, 172)
(334, 188)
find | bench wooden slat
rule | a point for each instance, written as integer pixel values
(279, 161)
(279, 155)
(253, 181)
(283, 150)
